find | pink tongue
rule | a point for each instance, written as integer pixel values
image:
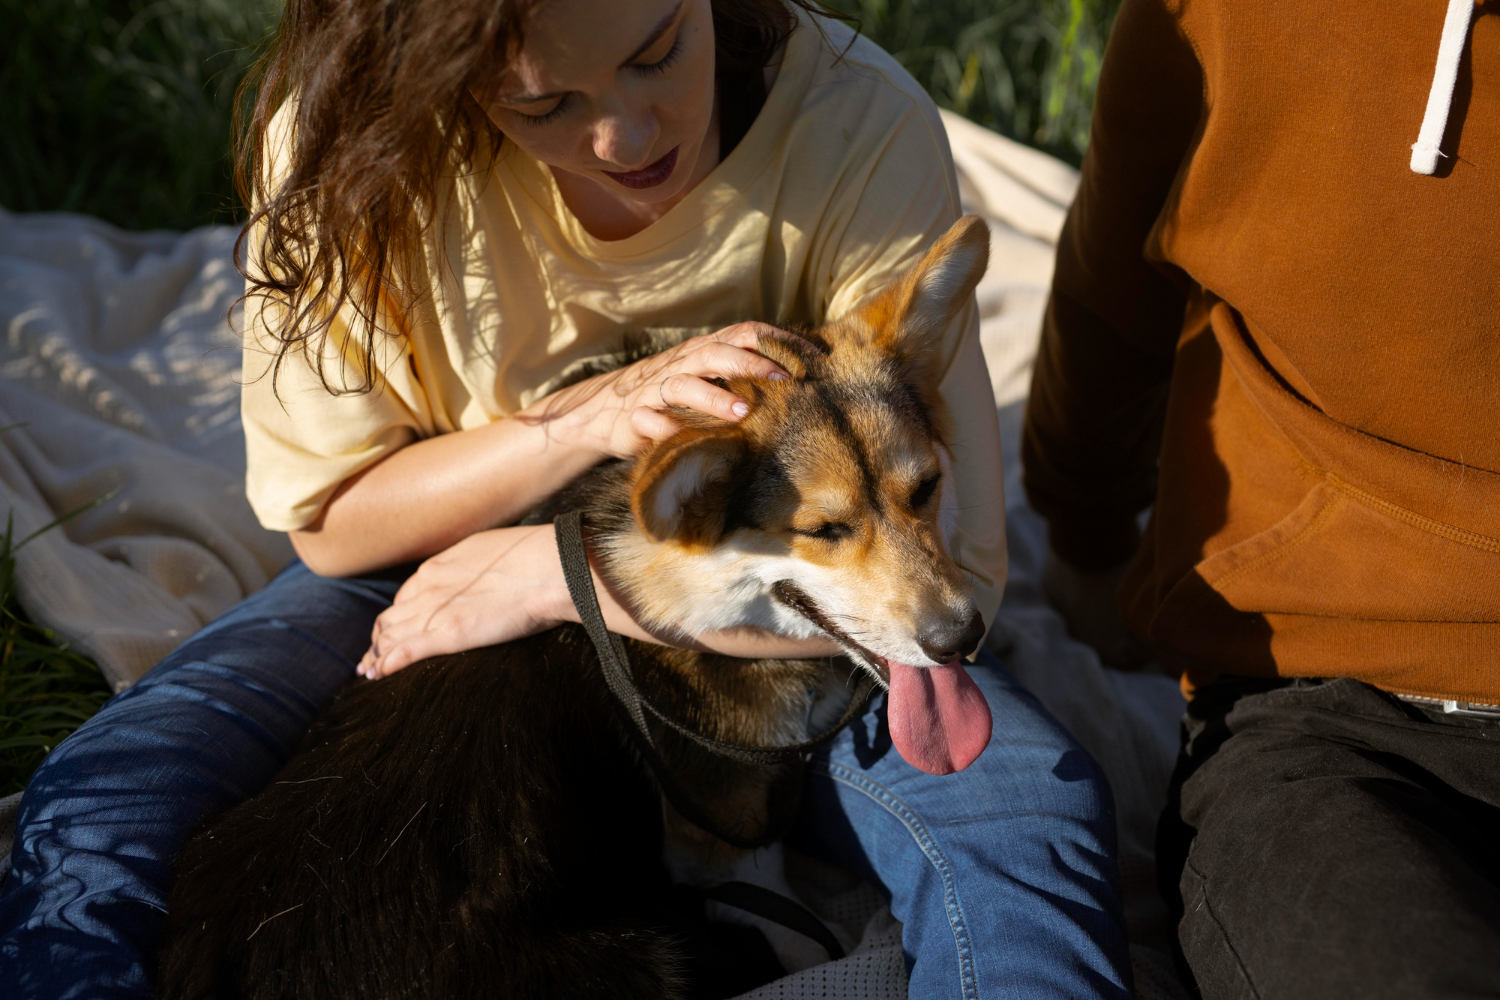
(940, 721)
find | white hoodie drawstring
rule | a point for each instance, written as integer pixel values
(1425, 152)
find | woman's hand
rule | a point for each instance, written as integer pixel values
(618, 413)
(430, 495)
(507, 583)
(493, 586)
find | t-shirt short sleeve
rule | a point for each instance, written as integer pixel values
(303, 437)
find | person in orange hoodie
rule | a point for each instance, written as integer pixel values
(1275, 322)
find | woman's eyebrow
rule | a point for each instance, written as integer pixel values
(656, 33)
(652, 39)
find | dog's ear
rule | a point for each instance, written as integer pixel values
(683, 485)
(906, 320)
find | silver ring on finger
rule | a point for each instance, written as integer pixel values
(661, 391)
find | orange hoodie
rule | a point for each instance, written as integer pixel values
(1266, 322)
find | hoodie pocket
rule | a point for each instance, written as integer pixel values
(1346, 555)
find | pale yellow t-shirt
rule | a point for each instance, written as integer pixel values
(843, 180)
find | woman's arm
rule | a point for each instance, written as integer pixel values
(431, 494)
(435, 492)
(500, 585)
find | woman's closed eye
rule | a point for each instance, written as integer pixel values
(660, 66)
(547, 116)
(654, 68)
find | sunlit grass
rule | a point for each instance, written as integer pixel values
(1025, 68)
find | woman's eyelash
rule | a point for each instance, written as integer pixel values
(553, 115)
(665, 62)
(660, 66)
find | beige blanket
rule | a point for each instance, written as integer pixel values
(117, 380)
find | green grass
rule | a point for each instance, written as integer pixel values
(46, 689)
(1025, 68)
(121, 109)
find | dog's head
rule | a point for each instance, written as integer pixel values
(820, 512)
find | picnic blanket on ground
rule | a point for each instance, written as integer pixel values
(118, 381)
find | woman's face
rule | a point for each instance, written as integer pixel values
(618, 91)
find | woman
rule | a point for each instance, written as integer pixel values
(435, 245)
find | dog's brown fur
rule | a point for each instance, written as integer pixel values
(479, 825)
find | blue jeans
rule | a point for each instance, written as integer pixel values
(1003, 875)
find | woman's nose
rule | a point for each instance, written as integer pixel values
(625, 141)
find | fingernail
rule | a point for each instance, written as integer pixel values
(777, 376)
(741, 409)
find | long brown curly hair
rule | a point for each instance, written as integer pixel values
(382, 115)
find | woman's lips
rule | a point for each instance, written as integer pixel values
(649, 177)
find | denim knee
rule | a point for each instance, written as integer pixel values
(106, 813)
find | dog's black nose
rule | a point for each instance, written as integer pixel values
(952, 640)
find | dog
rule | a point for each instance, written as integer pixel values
(483, 824)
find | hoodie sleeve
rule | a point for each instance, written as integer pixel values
(1099, 390)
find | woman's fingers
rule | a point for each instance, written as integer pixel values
(621, 411)
(748, 334)
(691, 391)
(494, 586)
(424, 626)
(424, 620)
(402, 654)
(711, 358)
(717, 359)
(653, 425)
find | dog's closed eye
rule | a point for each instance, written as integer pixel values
(922, 495)
(828, 531)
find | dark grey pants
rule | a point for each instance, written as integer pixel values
(1327, 840)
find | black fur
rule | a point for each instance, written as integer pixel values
(478, 825)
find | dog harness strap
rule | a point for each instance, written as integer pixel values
(615, 662)
(773, 906)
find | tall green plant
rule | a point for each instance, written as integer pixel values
(1026, 68)
(121, 108)
(46, 689)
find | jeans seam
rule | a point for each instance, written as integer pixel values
(1223, 931)
(939, 861)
